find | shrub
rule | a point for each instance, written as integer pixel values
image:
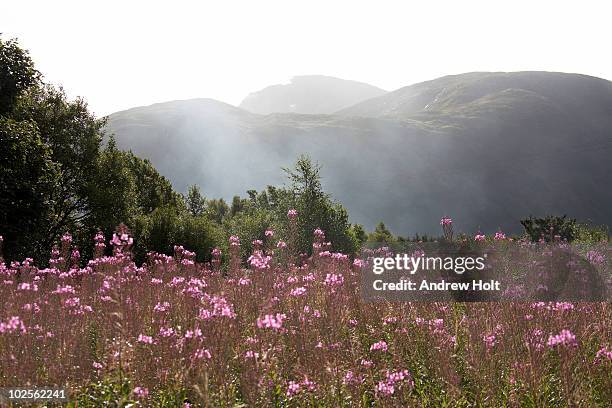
(550, 228)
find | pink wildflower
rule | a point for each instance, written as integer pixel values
(564, 338)
(269, 321)
(141, 392)
(381, 345)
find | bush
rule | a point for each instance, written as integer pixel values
(550, 228)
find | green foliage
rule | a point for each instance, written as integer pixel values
(360, 236)
(316, 209)
(28, 180)
(17, 74)
(381, 234)
(167, 226)
(112, 392)
(249, 218)
(195, 201)
(217, 209)
(550, 228)
(592, 234)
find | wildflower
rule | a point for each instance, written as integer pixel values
(366, 363)
(298, 291)
(97, 366)
(269, 321)
(499, 236)
(145, 339)
(595, 257)
(244, 281)
(332, 279)
(234, 241)
(446, 221)
(292, 214)
(64, 289)
(191, 334)
(259, 261)
(603, 354)
(222, 308)
(166, 332)
(381, 345)
(27, 287)
(162, 307)
(67, 238)
(251, 354)
(319, 234)
(386, 387)
(308, 385)
(13, 325)
(490, 340)
(141, 392)
(358, 263)
(281, 245)
(269, 233)
(202, 353)
(564, 338)
(351, 378)
(479, 236)
(292, 389)
(72, 302)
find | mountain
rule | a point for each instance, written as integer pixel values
(484, 148)
(309, 94)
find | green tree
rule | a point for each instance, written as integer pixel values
(195, 201)
(17, 74)
(359, 234)
(217, 210)
(381, 234)
(28, 179)
(74, 136)
(316, 208)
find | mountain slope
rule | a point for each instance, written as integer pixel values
(490, 148)
(309, 94)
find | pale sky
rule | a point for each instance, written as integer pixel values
(121, 54)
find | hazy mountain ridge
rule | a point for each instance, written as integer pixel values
(309, 94)
(489, 149)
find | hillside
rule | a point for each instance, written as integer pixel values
(484, 148)
(309, 94)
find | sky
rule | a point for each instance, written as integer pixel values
(121, 54)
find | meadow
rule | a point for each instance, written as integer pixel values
(266, 332)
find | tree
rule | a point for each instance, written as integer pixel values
(381, 234)
(74, 137)
(113, 195)
(316, 208)
(359, 234)
(17, 74)
(216, 210)
(28, 179)
(195, 201)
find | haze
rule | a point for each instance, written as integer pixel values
(120, 54)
